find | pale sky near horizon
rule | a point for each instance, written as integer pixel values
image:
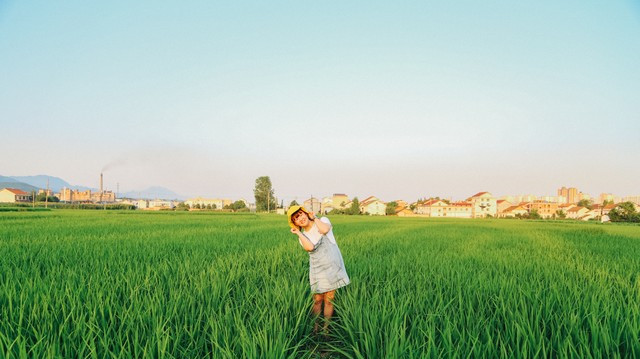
(395, 99)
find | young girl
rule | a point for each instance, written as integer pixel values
(326, 267)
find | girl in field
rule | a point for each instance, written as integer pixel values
(326, 267)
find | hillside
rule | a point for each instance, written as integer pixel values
(55, 183)
(10, 182)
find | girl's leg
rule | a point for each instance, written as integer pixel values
(317, 309)
(328, 308)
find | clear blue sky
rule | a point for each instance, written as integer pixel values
(394, 99)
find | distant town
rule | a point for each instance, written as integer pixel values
(568, 203)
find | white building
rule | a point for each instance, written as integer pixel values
(141, 203)
(205, 202)
(484, 204)
(161, 203)
(577, 212)
(431, 208)
(13, 195)
(440, 208)
(373, 206)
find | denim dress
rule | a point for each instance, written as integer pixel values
(326, 267)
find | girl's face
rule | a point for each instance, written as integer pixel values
(300, 219)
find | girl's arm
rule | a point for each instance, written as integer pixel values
(306, 243)
(323, 228)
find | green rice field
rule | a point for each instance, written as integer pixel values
(116, 284)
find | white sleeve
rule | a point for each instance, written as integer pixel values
(327, 221)
(313, 241)
(330, 233)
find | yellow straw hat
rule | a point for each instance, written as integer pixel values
(291, 211)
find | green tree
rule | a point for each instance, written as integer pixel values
(534, 214)
(606, 203)
(42, 197)
(624, 212)
(293, 203)
(560, 214)
(391, 208)
(238, 205)
(355, 207)
(263, 192)
(585, 203)
(182, 207)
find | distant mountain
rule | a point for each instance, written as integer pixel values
(33, 183)
(55, 183)
(152, 193)
(10, 182)
(4, 179)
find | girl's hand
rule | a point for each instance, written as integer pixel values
(295, 230)
(312, 216)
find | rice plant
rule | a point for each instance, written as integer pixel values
(206, 285)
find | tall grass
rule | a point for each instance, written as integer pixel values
(174, 285)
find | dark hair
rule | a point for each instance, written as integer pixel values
(296, 212)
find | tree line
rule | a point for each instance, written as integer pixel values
(625, 212)
(267, 201)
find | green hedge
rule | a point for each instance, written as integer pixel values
(58, 205)
(23, 209)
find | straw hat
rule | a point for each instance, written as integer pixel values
(291, 211)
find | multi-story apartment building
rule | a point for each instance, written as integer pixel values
(460, 209)
(544, 209)
(571, 194)
(440, 208)
(484, 204)
(431, 208)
